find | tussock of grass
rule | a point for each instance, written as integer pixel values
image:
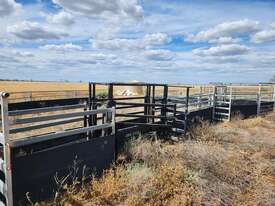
(224, 164)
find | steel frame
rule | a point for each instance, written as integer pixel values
(160, 113)
(6, 186)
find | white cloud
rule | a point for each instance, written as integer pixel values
(263, 36)
(7, 59)
(272, 25)
(33, 31)
(109, 32)
(108, 9)
(62, 47)
(227, 29)
(223, 50)
(117, 44)
(131, 44)
(101, 56)
(157, 39)
(22, 53)
(62, 17)
(133, 55)
(8, 7)
(224, 40)
(158, 55)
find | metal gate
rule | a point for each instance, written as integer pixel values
(29, 164)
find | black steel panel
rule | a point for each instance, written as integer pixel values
(35, 173)
(244, 110)
(45, 103)
(200, 115)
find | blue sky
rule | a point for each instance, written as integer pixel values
(173, 41)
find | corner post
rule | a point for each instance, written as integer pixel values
(6, 165)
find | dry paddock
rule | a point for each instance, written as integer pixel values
(225, 164)
(35, 90)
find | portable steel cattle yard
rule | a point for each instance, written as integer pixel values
(40, 139)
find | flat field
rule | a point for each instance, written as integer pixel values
(39, 86)
(24, 86)
(35, 90)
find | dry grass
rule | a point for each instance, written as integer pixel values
(35, 90)
(226, 164)
(23, 86)
(36, 87)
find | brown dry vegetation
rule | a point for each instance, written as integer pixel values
(51, 90)
(226, 164)
(24, 86)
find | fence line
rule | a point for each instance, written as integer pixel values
(100, 116)
(6, 186)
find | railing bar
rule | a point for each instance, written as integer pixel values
(119, 99)
(145, 124)
(143, 104)
(128, 107)
(45, 109)
(140, 112)
(40, 126)
(59, 116)
(64, 91)
(221, 113)
(40, 138)
(136, 115)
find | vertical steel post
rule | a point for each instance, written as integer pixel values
(174, 113)
(259, 100)
(147, 100)
(6, 149)
(94, 105)
(164, 102)
(92, 120)
(103, 121)
(186, 110)
(111, 102)
(214, 102)
(90, 95)
(113, 132)
(153, 101)
(87, 120)
(200, 97)
(211, 96)
(230, 103)
(113, 120)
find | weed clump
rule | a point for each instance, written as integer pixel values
(223, 164)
